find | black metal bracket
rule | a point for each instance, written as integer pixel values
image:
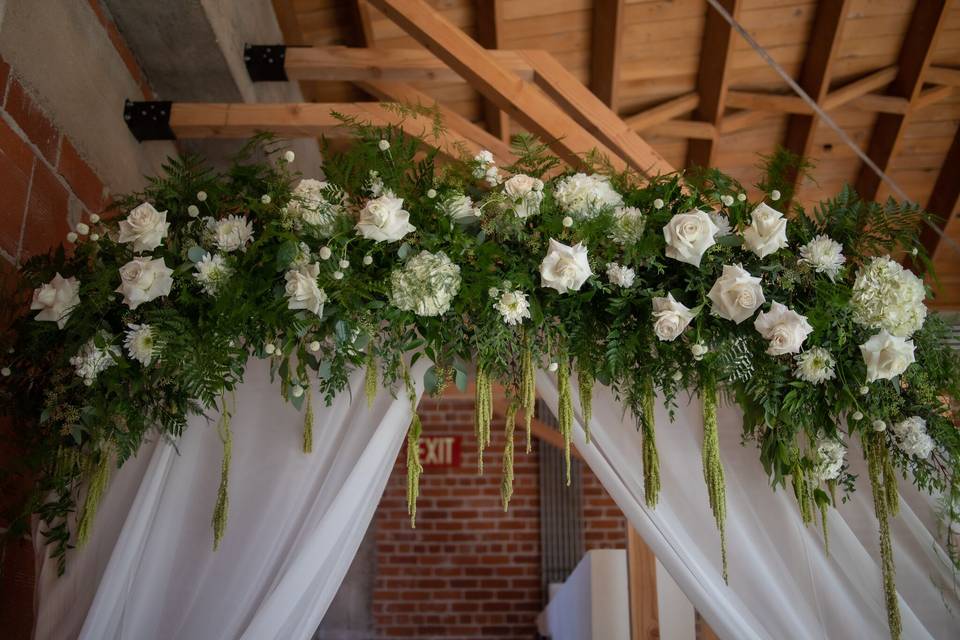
(265, 62)
(149, 120)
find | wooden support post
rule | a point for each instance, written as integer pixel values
(605, 48)
(490, 35)
(918, 44)
(642, 581)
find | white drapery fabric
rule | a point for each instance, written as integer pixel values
(295, 523)
(782, 583)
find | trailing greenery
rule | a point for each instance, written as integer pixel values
(547, 270)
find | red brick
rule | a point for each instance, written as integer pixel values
(46, 223)
(32, 120)
(81, 178)
(16, 165)
(4, 74)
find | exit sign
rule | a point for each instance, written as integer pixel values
(440, 451)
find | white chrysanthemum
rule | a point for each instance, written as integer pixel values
(584, 196)
(513, 306)
(887, 296)
(139, 343)
(628, 225)
(824, 254)
(317, 204)
(722, 223)
(91, 360)
(620, 275)
(829, 459)
(426, 284)
(912, 438)
(212, 271)
(815, 365)
(232, 233)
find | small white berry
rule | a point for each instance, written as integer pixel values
(5, 372)
(202, 196)
(726, 200)
(88, 382)
(71, 237)
(742, 197)
(367, 260)
(914, 251)
(698, 350)
(864, 390)
(193, 211)
(315, 346)
(270, 348)
(344, 263)
(493, 292)
(553, 367)
(83, 229)
(383, 145)
(325, 253)
(94, 236)
(296, 391)
(338, 275)
(677, 376)
(265, 198)
(431, 193)
(94, 218)
(567, 222)
(775, 195)
(658, 204)
(857, 415)
(289, 156)
(879, 425)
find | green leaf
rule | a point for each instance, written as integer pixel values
(196, 253)
(430, 380)
(460, 377)
(286, 254)
(404, 251)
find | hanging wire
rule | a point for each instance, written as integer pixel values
(826, 117)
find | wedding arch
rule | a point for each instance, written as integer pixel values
(397, 262)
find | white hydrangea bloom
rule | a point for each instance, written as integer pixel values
(139, 343)
(912, 438)
(620, 275)
(829, 459)
(887, 296)
(310, 205)
(212, 271)
(628, 225)
(426, 284)
(91, 360)
(584, 196)
(816, 365)
(513, 306)
(824, 254)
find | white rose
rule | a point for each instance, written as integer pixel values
(302, 289)
(670, 317)
(461, 208)
(565, 268)
(231, 233)
(145, 227)
(736, 294)
(143, 279)
(886, 356)
(56, 300)
(526, 193)
(784, 328)
(383, 219)
(767, 232)
(689, 235)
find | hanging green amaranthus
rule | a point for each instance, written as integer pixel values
(223, 499)
(585, 382)
(308, 422)
(713, 468)
(528, 389)
(565, 410)
(506, 482)
(483, 413)
(370, 377)
(802, 491)
(651, 460)
(98, 477)
(884, 495)
(414, 468)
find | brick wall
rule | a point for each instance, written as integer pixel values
(470, 570)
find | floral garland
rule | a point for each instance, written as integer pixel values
(673, 283)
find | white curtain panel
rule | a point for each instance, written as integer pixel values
(295, 523)
(782, 583)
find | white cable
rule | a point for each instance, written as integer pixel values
(827, 119)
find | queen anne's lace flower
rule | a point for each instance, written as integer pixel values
(628, 225)
(824, 254)
(829, 459)
(513, 306)
(212, 272)
(139, 342)
(815, 365)
(91, 360)
(887, 296)
(912, 438)
(426, 284)
(584, 196)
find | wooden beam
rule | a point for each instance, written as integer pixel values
(360, 28)
(943, 75)
(693, 129)
(712, 78)
(767, 102)
(742, 120)
(663, 112)
(395, 65)
(918, 44)
(593, 115)
(822, 45)
(944, 197)
(605, 41)
(876, 102)
(523, 102)
(490, 35)
(869, 83)
(931, 96)
(642, 584)
(407, 94)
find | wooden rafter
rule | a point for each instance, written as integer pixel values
(359, 26)
(490, 35)
(605, 49)
(663, 112)
(944, 197)
(815, 74)
(918, 44)
(943, 75)
(712, 78)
